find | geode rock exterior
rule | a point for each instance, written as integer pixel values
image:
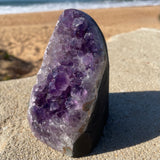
(69, 102)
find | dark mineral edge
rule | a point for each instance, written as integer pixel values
(69, 102)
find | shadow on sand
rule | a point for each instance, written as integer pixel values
(134, 117)
(12, 67)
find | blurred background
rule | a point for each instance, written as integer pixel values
(22, 6)
(26, 26)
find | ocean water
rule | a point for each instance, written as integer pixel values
(23, 6)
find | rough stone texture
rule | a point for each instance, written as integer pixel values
(133, 129)
(70, 97)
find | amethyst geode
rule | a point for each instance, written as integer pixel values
(69, 102)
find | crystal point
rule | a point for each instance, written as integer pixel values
(69, 102)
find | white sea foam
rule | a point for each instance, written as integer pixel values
(77, 5)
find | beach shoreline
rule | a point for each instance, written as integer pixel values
(32, 6)
(24, 37)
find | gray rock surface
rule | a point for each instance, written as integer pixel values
(133, 129)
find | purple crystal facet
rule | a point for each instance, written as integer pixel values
(68, 81)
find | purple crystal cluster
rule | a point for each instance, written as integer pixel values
(68, 81)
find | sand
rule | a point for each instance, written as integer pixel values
(24, 37)
(133, 128)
